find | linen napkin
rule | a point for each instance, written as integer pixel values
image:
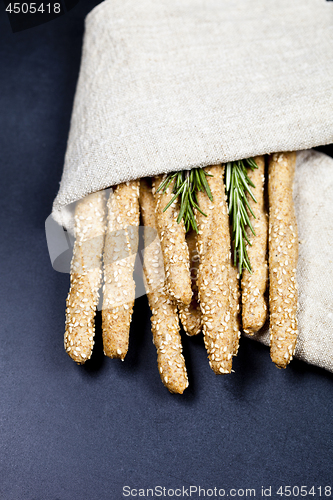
(167, 85)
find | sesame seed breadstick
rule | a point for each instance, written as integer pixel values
(234, 304)
(173, 244)
(283, 255)
(86, 276)
(121, 244)
(164, 320)
(220, 338)
(190, 315)
(254, 308)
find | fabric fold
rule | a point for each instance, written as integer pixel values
(168, 85)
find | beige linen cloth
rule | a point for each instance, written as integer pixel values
(167, 85)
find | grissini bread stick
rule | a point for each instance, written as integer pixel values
(173, 244)
(254, 308)
(190, 315)
(213, 276)
(234, 305)
(86, 276)
(283, 255)
(121, 244)
(164, 320)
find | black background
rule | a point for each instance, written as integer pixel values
(70, 432)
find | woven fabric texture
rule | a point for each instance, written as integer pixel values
(167, 85)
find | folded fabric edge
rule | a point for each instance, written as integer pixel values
(63, 213)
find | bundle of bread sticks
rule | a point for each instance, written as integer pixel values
(190, 276)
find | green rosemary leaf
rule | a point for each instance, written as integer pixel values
(192, 221)
(241, 255)
(246, 263)
(183, 204)
(251, 163)
(166, 183)
(186, 185)
(248, 206)
(245, 182)
(244, 233)
(193, 200)
(237, 185)
(205, 184)
(246, 218)
(197, 179)
(173, 199)
(231, 190)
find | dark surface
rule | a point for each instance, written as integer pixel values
(70, 432)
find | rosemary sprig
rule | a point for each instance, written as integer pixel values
(187, 184)
(237, 184)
